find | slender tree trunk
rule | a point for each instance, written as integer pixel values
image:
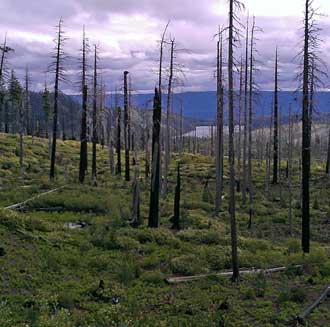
(136, 216)
(275, 151)
(83, 138)
(110, 145)
(219, 140)
(6, 117)
(118, 147)
(63, 125)
(126, 136)
(168, 117)
(245, 141)
(176, 219)
(250, 128)
(83, 133)
(94, 118)
(240, 129)
(235, 276)
(27, 103)
(181, 128)
(147, 158)
(269, 151)
(21, 137)
(280, 152)
(155, 172)
(306, 141)
(56, 93)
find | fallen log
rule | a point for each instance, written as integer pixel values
(253, 271)
(20, 205)
(301, 318)
(50, 209)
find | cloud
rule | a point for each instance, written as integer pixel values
(127, 32)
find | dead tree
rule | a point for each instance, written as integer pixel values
(16, 99)
(176, 219)
(275, 150)
(94, 117)
(126, 123)
(305, 135)
(308, 56)
(110, 143)
(136, 216)
(27, 102)
(268, 150)
(232, 31)
(251, 86)
(57, 69)
(118, 143)
(181, 128)
(161, 54)
(155, 166)
(4, 51)
(239, 152)
(168, 116)
(219, 139)
(83, 132)
(245, 135)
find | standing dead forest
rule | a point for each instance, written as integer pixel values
(167, 207)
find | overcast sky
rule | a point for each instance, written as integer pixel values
(127, 32)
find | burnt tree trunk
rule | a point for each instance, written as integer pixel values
(275, 150)
(155, 169)
(126, 122)
(175, 220)
(118, 145)
(305, 239)
(231, 151)
(219, 139)
(94, 117)
(56, 94)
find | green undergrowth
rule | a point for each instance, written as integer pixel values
(110, 274)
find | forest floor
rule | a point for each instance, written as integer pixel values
(110, 274)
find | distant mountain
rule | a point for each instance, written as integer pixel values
(202, 105)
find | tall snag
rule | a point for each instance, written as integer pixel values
(219, 136)
(83, 132)
(27, 102)
(118, 143)
(233, 4)
(245, 135)
(250, 126)
(58, 70)
(275, 150)
(168, 117)
(136, 216)
(305, 238)
(155, 165)
(94, 117)
(126, 127)
(176, 219)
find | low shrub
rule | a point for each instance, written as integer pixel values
(296, 294)
(153, 277)
(187, 265)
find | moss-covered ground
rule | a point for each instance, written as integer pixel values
(109, 274)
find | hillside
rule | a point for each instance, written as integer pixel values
(106, 273)
(202, 105)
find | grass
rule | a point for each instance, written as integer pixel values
(57, 283)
